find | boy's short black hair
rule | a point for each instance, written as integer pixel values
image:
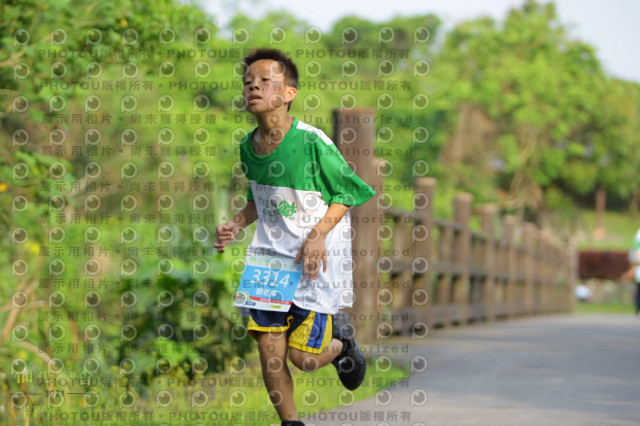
(290, 69)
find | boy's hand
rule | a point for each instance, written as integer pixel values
(226, 233)
(312, 252)
(630, 274)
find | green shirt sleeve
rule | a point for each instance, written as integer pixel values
(340, 183)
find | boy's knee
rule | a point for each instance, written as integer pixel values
(295, 359)
(272, 351)
(274, 363)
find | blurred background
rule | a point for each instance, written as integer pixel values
(120, 129)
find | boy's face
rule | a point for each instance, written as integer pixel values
(264, 87)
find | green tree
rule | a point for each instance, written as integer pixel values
(560, 121)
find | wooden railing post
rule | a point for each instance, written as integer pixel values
(555, 276)
(377, 219)
(549, 258)
(461, 247)
(423, 240)
(572, 274)
(561, 277)
(440, 310)
(401, 281)
(529, 244)
(539, 250)
(509, 242)
(487, 217)
(354, 134)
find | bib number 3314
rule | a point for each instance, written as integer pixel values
(268, 283)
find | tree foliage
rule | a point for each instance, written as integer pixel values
(561, 121)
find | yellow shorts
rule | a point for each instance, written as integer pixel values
(307, 331)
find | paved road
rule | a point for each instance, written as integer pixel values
(556, 370)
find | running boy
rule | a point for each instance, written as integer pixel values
(300, 192)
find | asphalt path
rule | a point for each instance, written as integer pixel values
(550, 370)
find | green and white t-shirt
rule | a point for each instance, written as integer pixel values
(293, 187)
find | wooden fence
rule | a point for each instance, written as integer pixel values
(413, 271)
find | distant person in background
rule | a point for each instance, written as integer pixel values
(583, 293)
(634, 272)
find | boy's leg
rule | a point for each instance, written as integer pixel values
(311, 342)
(317, 339)
(309, 362)
(276, 374)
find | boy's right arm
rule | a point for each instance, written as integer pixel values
(227, 232)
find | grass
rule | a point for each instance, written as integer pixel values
(604, 308)
(619, 231)
(236, 397)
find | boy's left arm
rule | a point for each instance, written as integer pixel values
(631, 273)
(313, 249)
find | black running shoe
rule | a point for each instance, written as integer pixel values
(350, 363)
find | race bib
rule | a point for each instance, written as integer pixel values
(268, 283)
